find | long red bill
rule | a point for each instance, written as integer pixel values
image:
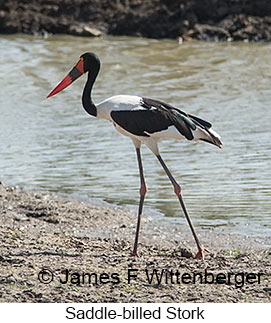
(76, 72)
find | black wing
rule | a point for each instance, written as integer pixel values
(156, 116)
(141, 122)
(200, 122)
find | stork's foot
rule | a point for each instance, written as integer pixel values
(134, 254)
(200, 254)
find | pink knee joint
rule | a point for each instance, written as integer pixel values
(177, 189)
(143, 190)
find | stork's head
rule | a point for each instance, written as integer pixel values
(88, 62)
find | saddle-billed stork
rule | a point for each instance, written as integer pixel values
(145, 121)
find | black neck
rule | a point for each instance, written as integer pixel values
(88, 104)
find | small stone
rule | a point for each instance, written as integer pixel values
(92, 31)
(84, 30)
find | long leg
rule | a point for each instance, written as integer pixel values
(178, 192)
(143, 191)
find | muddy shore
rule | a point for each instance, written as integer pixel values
(47, 236)
(213, 20)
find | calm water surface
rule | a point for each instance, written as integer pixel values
(54, 145)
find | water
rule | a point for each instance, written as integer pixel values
(54, 145)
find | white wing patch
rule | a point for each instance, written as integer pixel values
(118, 103)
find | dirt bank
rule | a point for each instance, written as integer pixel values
(203, 20)
(47, 238)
